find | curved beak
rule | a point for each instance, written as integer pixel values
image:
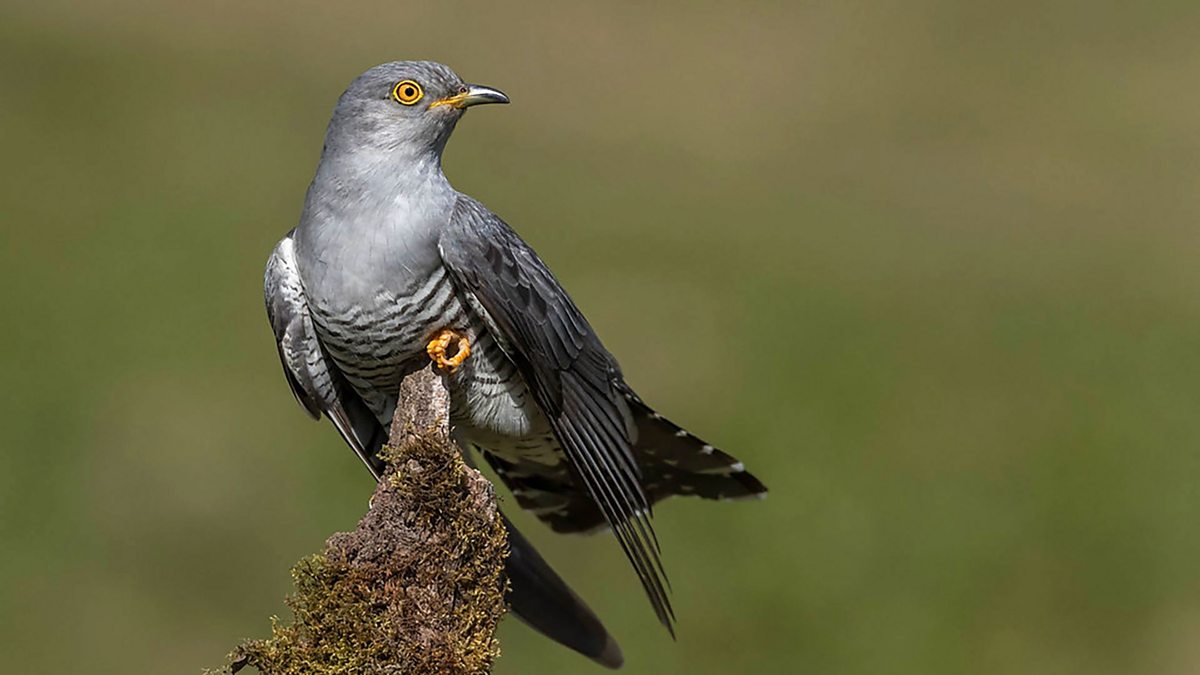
(476, 94)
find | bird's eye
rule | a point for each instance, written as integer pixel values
(407, 92)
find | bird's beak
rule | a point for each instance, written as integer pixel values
(476, 94)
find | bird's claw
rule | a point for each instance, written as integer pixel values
(440, 342)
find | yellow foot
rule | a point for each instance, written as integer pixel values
(438, 345)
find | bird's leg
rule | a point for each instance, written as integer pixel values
(438, 345)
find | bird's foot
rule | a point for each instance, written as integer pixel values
(439, 345)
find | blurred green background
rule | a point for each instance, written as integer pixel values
(937, 262)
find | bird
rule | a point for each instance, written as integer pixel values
(390, 267)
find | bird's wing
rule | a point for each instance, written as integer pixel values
(574, 380)
(314, 379)
(538, 595)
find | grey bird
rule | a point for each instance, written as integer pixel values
(390, 266)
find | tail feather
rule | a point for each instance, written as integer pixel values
(672, 462)
(662, 481)
(540, 598)
(675, 462)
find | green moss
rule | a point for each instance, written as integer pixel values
(418, 587)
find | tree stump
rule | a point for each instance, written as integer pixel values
(418, 587)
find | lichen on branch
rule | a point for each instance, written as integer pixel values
(418, 587)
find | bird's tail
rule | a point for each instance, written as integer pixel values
(675, 462)
(540, 598)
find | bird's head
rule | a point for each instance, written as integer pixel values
(407, 106)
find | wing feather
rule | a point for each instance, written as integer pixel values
(315, 382)
(574, 380)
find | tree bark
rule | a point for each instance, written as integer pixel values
(418, 586)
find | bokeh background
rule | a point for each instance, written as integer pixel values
(928, 267)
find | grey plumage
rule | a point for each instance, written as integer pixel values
(387, 254)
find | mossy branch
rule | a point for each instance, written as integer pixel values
(418, 586)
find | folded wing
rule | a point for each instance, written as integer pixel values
(574, 380)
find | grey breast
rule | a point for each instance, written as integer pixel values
(375, 328)
(374, 340)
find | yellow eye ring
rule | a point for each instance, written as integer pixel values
(407, 92)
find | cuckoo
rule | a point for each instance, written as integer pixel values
(390, 266)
